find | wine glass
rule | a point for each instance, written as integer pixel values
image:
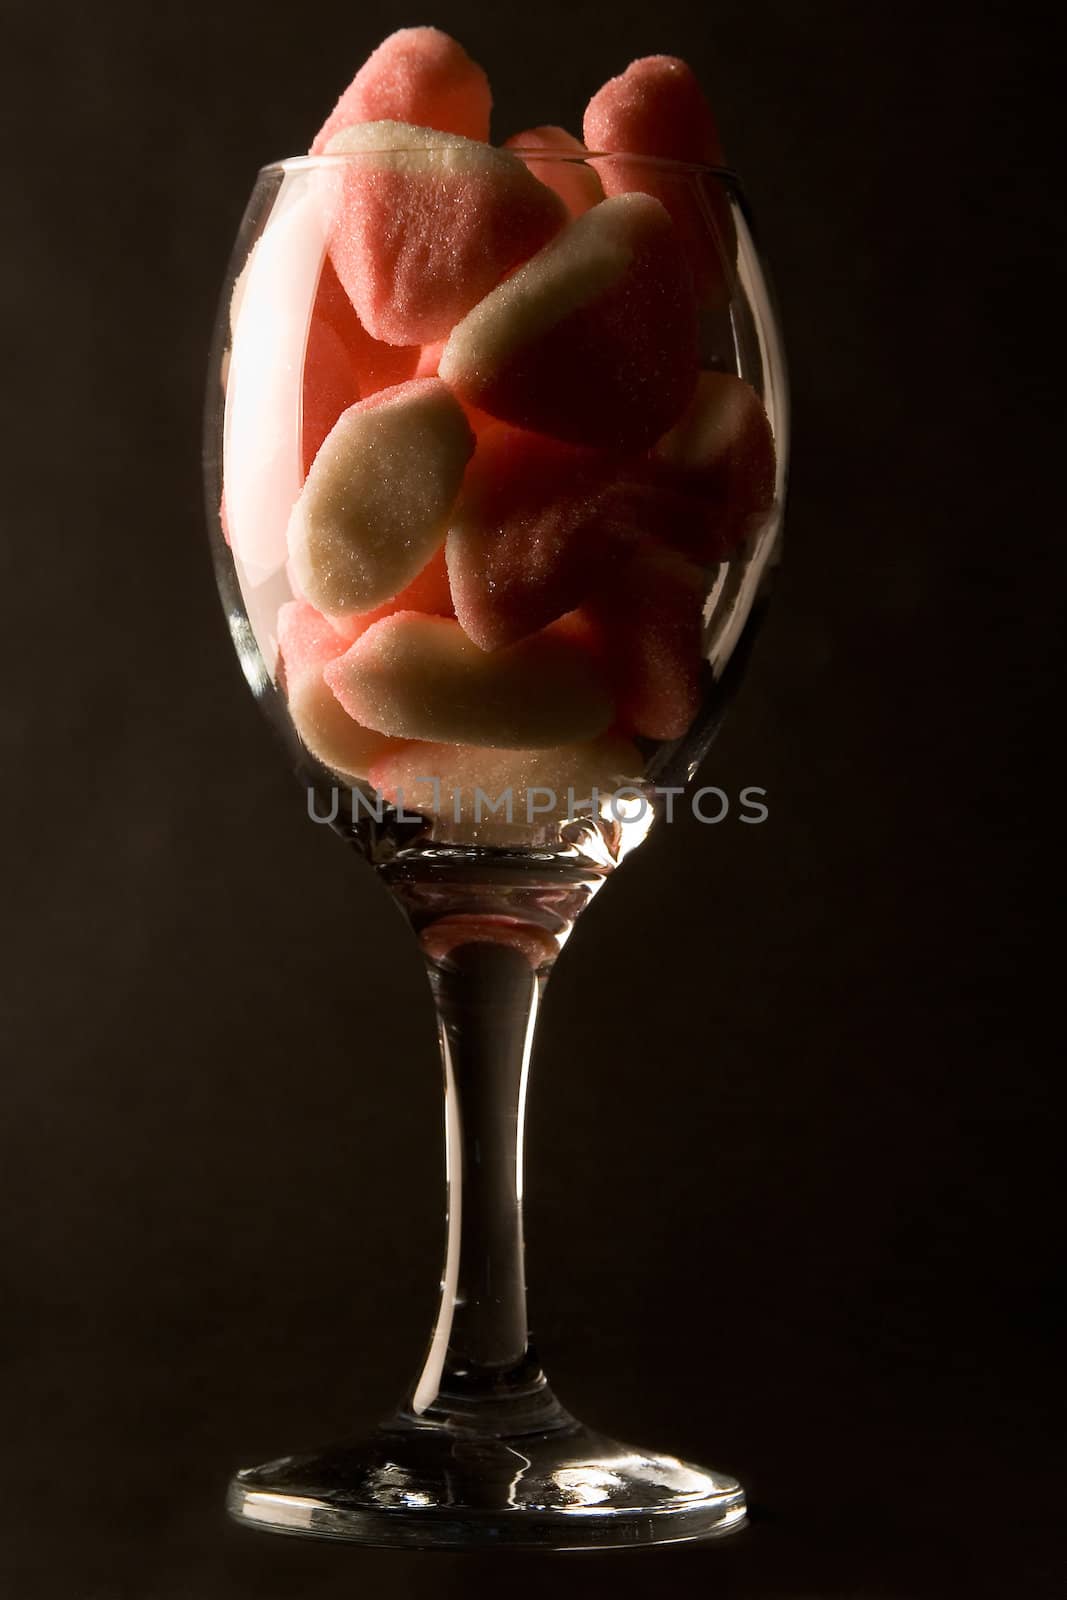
(481, 1452)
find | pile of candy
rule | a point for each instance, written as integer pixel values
(516, 478)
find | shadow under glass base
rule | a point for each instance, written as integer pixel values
(432, 1488)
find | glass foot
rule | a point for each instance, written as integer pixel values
(431, 1487)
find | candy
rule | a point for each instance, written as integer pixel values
(330, 386)
(425, 223)
(535, 522)
(307, 643)
(376, 501)
(541, 785)
(720, 457)
(427, 592)
(576, 183)
(594, 340)
(376, 365)
(647, 623)
(420, 76)
(657, 108)
(421, 678)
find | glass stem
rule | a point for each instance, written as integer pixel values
(481, 1373)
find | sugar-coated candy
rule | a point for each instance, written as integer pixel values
(429, 361)
(444, 779)
(424, 224)
(419, 677)
(571, 177)
(376, 501)
(307, 642)
(330, 386)
(535, 523)
(428, 592)
(377, 365)
(416, 75)
(646, 622)
(429, 589)
(657, 108)
(720, 459)
(592, 341)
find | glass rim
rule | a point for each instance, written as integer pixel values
(664, 164)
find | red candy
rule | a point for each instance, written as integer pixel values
(720, 461)
(535, 523)
(376, 365)
(308, 644)
(428, 592)
(417, 75)
(646, 627)
(515, 475)
(305, 639)
(573, 180)
(342, 363)
(424, 224)
(594, 340)
(330, 386)
(657, 108)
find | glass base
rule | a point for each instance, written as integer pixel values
(435, 1488)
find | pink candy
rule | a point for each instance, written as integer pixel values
(307, 643)
(646, 623)
(376, 365)
(573, 180)
(342, 363)
(424, 224)
(514, 474)
(428, 592)
(534, 525)
(594, 340)
(720, 458)
(420, 76)
(330, 386)
(657, 108)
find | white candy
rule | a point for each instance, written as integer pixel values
(376, 502)
(330, 733)
(419, 677)
(307, 643)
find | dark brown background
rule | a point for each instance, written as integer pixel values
(792, 1147)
